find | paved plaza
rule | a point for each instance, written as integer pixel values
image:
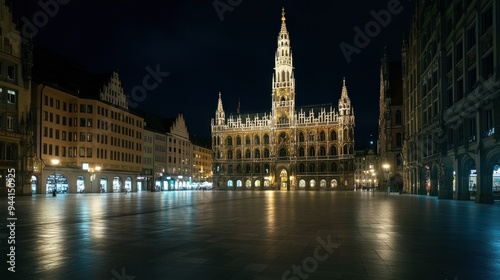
(251, 235)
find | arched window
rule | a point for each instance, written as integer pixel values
(301, 137)
(247, 140)
(257, 169)
(230, 169)
(248, 168)
(398, 118)
(345, 137)
(302, 168)
(312, 167)
(345, 150)
(283, 152)
(238, 168)
(322, 136)
(247, 154)
(302, 152)
(266, 139)
(312, 152)
(323, 167)
(334, 167)
(399, 140)
(238, 154)
(322, 151)
(333, 135)
(266, 168)
(266, 153)
(238, 140)
(257, 153)
(229, 141)
(229, 154)
(333, 150)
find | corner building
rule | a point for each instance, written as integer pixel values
(289, 148)
(451, 87)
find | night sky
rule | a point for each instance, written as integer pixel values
(232, 51)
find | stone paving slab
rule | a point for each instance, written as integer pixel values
(251, 235)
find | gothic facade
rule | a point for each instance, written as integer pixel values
(289, 148)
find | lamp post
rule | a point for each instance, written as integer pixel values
(55, 162)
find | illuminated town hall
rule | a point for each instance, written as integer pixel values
(290, 148)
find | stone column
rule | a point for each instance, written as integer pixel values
(484, 182)
(445, 177)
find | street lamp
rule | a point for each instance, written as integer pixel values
(54, 163)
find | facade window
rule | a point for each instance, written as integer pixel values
(82, 122)
(301, 137)
(83, 108)
(10, 123)
(11, 96)
(11, 72)
(471, 37)
(81, 152)
(312, 152)
(399, 140)
(487, 20)
(398, 117)
(333, 135)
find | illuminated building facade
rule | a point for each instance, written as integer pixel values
(289, 148)
(86, 142)
(451, 87)
(16, 152)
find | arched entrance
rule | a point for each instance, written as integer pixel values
(333, 184)
(117, 184)
(58, 182)
(80, 184)
(34, 183)
(284, 186)
(396, 182)
(103, 183)
(128, 184)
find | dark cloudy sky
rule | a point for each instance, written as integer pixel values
(206, 51)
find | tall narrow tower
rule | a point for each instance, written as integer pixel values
(220, 116)
(283, 96)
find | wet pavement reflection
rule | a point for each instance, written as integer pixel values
(252, 235)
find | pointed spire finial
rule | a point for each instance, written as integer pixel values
(343, 83)
(283, 14)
